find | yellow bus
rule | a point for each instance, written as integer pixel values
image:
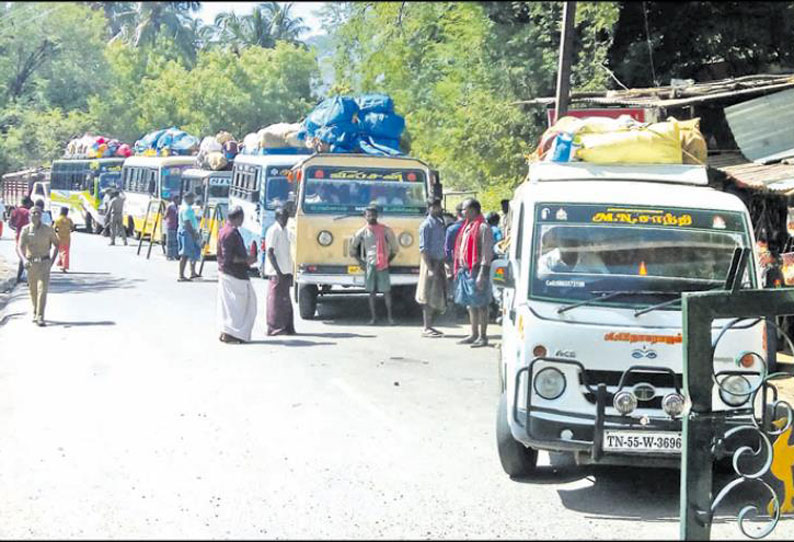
(147, 180)
(78, 184)
(334, 190)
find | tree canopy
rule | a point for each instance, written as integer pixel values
(454, 69)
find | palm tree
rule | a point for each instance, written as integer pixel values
(171, 17)
(283, 25)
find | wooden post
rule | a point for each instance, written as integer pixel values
(566, 54)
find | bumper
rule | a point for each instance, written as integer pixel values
(339, 276)
(542, 428)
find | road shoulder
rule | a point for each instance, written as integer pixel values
(8, 276)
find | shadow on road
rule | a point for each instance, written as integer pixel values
(52, 323)
(74, 283)
(292, 342)
(338, 335)
(8, 317)
(631, 494)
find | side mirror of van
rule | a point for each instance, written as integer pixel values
(501, 274)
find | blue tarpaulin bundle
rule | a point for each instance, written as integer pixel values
(173, 140)
(365, 123)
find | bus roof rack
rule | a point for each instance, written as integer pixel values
(586, 171)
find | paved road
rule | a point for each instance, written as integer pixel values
(126, 417)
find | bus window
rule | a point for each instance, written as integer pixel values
(277, 192)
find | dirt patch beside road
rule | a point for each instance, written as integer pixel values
(8, 278)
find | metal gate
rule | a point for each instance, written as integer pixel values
(756, 438)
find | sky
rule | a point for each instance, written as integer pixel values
(306, 10)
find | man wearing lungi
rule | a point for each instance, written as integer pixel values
(236, 310)
(473, 255)
(188, 238)
(380, 248)
(171, 222)
(278, 269)
(431, 290)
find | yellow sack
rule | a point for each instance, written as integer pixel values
(659, 143)
(693, 144)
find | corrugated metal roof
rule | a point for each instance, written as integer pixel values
(679, 96)
(772, 177)
(762, 127)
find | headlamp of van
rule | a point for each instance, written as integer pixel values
(406, 239)
(325, 238)
(550, 383)
(735, 390)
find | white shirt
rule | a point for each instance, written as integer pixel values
(278, 239)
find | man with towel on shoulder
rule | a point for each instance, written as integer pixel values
(236, 297)
(380, 248)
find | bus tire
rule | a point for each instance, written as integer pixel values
(518, 461)
(307, 300)
(89, 224)
(131, 227)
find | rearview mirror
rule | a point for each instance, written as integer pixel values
(501, 274)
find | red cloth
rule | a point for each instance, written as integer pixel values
(379, 230)
(20, 217)
(63, 255)
(470, 253)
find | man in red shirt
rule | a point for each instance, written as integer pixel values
(20, 217)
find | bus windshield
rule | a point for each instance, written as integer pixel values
(583, 250)
(171, 180)
(218, 190)
(277, 187)
(350, 190)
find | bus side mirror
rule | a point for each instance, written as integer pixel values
(501, 274)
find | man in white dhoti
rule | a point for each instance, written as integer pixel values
(236, 297)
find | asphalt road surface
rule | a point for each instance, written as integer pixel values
(127, 418)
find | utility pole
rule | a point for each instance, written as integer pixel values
(566, 53)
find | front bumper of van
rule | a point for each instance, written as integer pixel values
(583, 434)
(341, 275)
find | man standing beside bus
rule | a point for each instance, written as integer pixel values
(278, 269)
(171, 222)
(35, 240)
(236, 311)
(116, 218)
(473, 255)
(188, 237)
(431, 290)
(380, 248)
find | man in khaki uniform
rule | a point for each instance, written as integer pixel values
(33, 247)
(116, 218)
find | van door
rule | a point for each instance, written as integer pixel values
(510, 337)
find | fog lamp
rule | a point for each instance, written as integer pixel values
(735, 390)
(673, 404)
(624, 402)
(406, 239)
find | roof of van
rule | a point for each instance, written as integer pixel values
(629, 193)
(663, 173)
(268, 159)
(157, 161)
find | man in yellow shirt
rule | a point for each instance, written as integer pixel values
(64, 228)
(35, 240)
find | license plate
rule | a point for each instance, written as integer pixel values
(354, 270)
(642, 441)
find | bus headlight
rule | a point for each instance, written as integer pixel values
(406, 239)
(673, 404)
(325, 238)
(550, 383)
(735, 390)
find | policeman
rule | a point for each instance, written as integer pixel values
(35, 240)
(116, 218)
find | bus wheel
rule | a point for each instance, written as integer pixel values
(307, 300)
(517, 460)
(89, 224)
(131, 227)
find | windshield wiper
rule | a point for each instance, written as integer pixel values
(670, 302)
(603, 297)
(348, 215)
